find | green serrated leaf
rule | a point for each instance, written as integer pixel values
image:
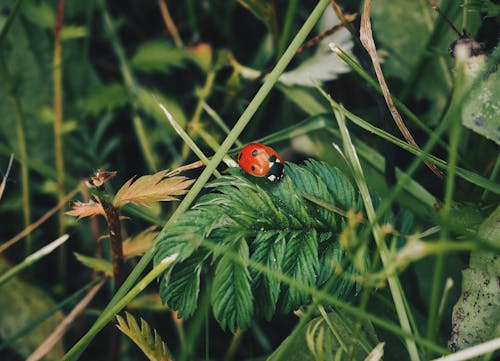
(232, 299)
(159, 56)
(181, 287)
(268, 250)
(148, 341)
(300, 263)
(281, 229)
(97, 264)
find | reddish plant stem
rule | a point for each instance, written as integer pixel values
(115, 238)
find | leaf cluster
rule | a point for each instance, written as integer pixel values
(243, 222)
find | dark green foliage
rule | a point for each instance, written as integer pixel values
(244, 220)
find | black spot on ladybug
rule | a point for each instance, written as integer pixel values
(255, 152)
(272, 158)
(252, 167)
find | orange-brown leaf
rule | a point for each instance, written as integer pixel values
(151, 188)
(88, 209)
(139, 244)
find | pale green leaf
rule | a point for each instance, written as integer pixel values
(151, 188)
(97, 264)
(148, 341)
(70, 32)
(159, 56)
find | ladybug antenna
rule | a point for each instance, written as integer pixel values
(443, 15)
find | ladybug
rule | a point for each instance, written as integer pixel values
(260, 160)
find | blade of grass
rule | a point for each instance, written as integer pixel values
(218, 120)
(366, 37)
(399, 104)
(33, 258)
(185, 137)
(8, 22)
(112, 307)
(393, 281)
(6, 176)
(30, 228)
(462, 173)
(437, 281)
(23, 149)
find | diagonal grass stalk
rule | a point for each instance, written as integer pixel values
(399, 104)
(23, 151)
(393, 281)
(33, 258)
(113, 306)
(185, 137)
(437, 282)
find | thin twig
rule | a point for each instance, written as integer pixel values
(59, 332)
(169, 23)
(38, 222)
(366, 38)
(310, 43)
(443, 15)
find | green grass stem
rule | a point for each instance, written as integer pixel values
(393, 281)
(33, 258)
(287, 25)
(23, 149)
(454, 134)
(374, 83)
(185, 137)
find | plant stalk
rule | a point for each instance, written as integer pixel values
(58, 126)
(23, 153)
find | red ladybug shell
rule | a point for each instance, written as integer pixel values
(260, 160)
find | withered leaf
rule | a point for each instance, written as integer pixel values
(99, 178)
(85, 209)
(151, 188)
(140, 243)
